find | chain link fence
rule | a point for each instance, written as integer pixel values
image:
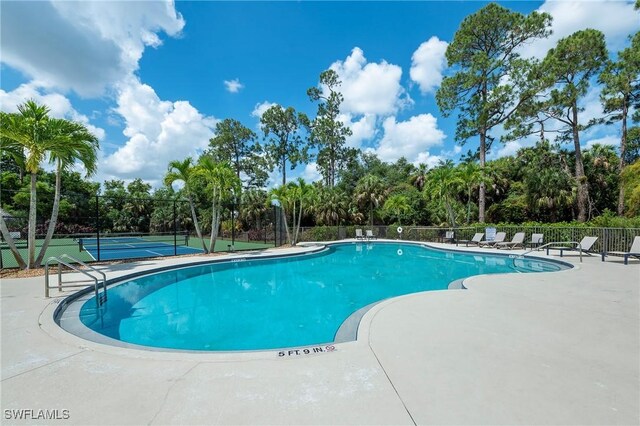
(101, 228)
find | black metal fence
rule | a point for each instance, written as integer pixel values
(101, 228)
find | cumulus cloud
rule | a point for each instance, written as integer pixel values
(260, 108)
(59, 105)
(158, 131)
(362, 129)
(311, 173)
(427, 64)
(369, 87)
(82, 46)
(409, 138)
(616, 19)
(233, 86)
(610, 140)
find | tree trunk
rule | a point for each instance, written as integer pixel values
(286, 226)
(298, 225)
(54, 215)
(195, 222)
(468, 205)
(214, 224)
(583, 190)
(371, 214)
(623, 149)
(11, 243)
(482, 190)
(284, 170)
(31, 237)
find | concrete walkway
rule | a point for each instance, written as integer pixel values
(548, 348)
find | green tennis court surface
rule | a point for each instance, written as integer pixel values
(71, 246)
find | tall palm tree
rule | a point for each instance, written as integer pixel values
(471, 175)
(443, 183)
(303, 195)
(184, 171)
(397, 204)
(370, 192)
(221, 181)
(31, 131)
(74, 143)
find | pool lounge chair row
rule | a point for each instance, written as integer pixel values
(369, 235)
(584, 246)
(499, 240)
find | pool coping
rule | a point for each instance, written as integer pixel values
(353, 330)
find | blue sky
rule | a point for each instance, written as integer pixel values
(149, 77)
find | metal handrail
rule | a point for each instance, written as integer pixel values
(578, 245)
(60, 262)
(104, 276)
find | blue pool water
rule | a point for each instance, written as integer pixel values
(282, 302)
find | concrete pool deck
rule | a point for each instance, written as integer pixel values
(546, 348)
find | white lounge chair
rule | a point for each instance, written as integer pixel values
(536, 240)
(634, 251)
(449, 237)
(517, 240)
(500, 236)
(585, 246)
(359, 235)
(370, 235)
(475, 240)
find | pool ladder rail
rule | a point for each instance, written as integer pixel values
(521, 256)
(97, 281)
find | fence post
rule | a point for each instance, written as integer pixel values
(175, 230)
(275, 227)
(98, 225)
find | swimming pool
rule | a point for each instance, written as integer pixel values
(282, 302)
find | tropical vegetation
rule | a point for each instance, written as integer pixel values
(496, 95)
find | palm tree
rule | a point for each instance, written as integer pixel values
(77, 144)
(397, 204)
(36, 135)
(184, 171)
(221, 181)
(303, 195)
(442, 183)
(471, 175)
(370, 192)
(331, 205)
(252, 207)
(420, 177)
(283, 195)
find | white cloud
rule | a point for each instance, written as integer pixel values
(370, 88)
(361, 130)
(430, 160)
(508, 149)
(409, 138)
(616, 19)
(311, 173)
(159, 131)
(59, 105)
(427, 64)
(610, 140)
(260, 108)
(82, 46)
(233, 86)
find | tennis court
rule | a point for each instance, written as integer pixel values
(132, 247)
